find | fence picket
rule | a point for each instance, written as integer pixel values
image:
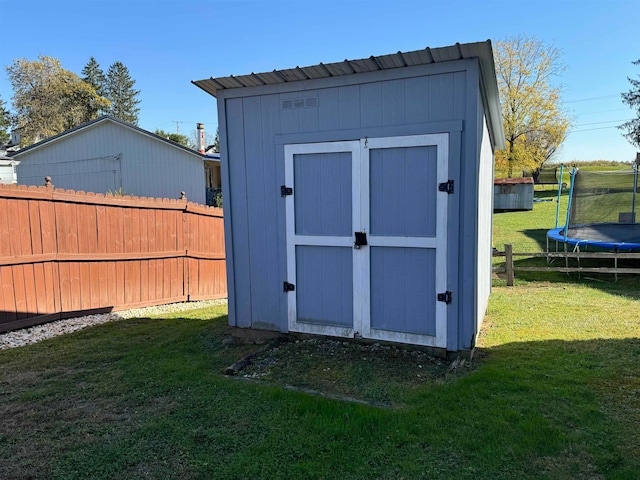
(62, 252)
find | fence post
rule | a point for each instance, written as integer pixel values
(508, 258)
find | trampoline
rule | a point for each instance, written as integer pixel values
(601, 212)
(606, 236)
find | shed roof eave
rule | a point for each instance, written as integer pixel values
(481, 50)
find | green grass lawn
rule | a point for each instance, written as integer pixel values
(553, 392)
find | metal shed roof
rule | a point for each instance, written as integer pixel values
(480, 50)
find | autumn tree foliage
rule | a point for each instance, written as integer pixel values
(47, 99)
(535, 124)
(632, 99)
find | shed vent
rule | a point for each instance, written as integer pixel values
(300, 103)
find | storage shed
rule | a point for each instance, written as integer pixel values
(512, 194)
(358, 195)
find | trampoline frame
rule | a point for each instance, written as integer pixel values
(560, 235)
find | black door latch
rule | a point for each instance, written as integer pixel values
(361, 239)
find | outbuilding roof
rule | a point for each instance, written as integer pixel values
(480, 50)
(104, 118)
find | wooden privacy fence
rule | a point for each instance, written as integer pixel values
(66, 253)
(509, 268)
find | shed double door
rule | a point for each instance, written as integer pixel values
(366, 228)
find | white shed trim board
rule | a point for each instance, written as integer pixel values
(359, 151)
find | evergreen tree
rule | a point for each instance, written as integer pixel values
(5, 122)
(119, 90)
(216, 141)
(94, 76)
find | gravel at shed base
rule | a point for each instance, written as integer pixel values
(26, 336)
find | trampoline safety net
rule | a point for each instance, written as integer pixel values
(604, 197)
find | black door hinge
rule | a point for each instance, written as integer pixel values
(284, 191)
(445, 297)
(288, 287)
(446, 186)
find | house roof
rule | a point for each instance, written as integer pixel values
(104, 118)
(212, 156)
(480, 50)
(5, 161)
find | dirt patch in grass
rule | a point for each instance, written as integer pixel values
(378, 374)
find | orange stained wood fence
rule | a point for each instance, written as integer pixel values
(66, 253)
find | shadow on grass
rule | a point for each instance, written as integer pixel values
(144, 398)
(547, 194)
(539, 235)
(626, 284)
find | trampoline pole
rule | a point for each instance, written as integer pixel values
(566, 223)
(559, 192)
(635, 188)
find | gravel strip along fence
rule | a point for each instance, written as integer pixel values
(27, 336)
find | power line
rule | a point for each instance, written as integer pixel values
(600, 123)
(602, 111)
(178, 122)
(593, 98)
(591, 129)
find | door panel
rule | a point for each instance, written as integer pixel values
(323, 183)
(403, 290)
(324, 288)
(402, 178)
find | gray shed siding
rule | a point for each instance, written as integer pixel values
(485, 215)
(107, 156)
(254, 126)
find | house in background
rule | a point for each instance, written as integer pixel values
(7, 164)
(8, 169)
(213, 182)
(110, 155)
(358, 195)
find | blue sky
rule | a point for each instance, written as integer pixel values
(166, 44)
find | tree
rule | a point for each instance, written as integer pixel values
(535, 124)
(5, 123)
(174, 137)
(119, 90)
(47, 99)
(632, 99)
(216, 141)
(94, 76)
